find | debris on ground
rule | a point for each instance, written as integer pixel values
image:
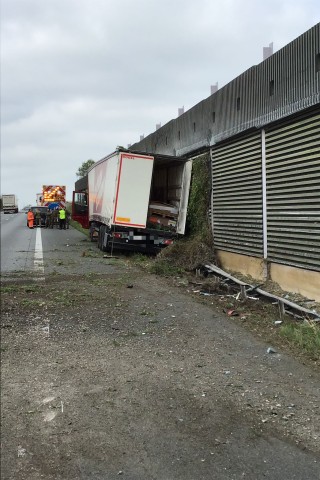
(271, 350)
(285, 306)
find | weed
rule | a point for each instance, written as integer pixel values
(188, 253)
(139, 258)
(116, 343)
(199, 199)
(31, 289)
(8, 289)
(305, 335)
(164, 268)
(32, 303)
(112, 261)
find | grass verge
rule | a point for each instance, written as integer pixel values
(306, 336)
(78, 227)
(164, 268)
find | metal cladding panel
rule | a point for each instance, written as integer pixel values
(293, 193)
(237, 196)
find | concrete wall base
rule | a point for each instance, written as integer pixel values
(253, 266)
(290, 279)
(297, 280)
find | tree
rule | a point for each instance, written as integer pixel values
(83, 170)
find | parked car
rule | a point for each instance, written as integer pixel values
(43, 215)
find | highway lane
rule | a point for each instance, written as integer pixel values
(17, 243)
(39, 251)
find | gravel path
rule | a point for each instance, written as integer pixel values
(122, 373)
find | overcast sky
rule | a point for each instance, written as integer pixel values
(80, 77)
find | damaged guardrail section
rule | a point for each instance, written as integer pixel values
(285, 306)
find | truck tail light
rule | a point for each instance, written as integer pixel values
(117, 235)
(168, 241)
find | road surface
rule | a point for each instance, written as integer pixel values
(110, 372)
(17, 243)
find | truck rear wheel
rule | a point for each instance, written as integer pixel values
(91, 232)
(99, 239)
(102, 234)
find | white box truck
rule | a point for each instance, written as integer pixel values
(138, 201)
(9, 203)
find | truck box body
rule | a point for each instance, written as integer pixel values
(140, 197)
(10, 203)
(119, 189)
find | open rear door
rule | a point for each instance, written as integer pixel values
(80, 208)
(133, 190)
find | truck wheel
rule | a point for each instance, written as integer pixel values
(99, 238)
(103, 231)
(91, 234)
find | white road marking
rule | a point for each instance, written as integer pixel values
(38, 253)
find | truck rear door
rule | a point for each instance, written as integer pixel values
(185, 187)
(133, 190)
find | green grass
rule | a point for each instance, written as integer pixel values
(306, 336)
(33, 303)
(78, 227)
(165, 268)
(139, 258)
(8, 289)
(32, 289)
(22, 288)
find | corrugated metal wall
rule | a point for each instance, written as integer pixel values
(293, 193)
(237, 196)
(292, 201)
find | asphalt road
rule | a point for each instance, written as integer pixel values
(17, 243)
(145, 383)
(35, 251)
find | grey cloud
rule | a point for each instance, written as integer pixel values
(79, 78)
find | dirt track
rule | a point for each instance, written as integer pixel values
(133, 375)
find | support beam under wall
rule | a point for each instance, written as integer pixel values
(264, 194)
